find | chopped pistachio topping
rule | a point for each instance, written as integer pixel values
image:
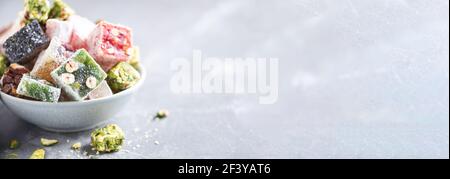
(38, 154)
(13, 144)
(76, 146)
(3, 64)
(48, 142)
(107, 139)
(12, 156)
(36, 10)
(60, 10)
(162, 114)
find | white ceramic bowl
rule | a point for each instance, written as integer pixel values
(71, 116)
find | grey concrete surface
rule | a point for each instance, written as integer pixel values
(357, 79)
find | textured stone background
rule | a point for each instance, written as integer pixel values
(358, 79)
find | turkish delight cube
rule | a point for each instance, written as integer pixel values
(103, 90)
(26, 44)
(36, 10)
(110, 44)
(38, 89)
(60, 10)
(12, 77)
(59, 29)
(135, 58)
(49, 60)
(79, 75)
(107, 139)
(3, 64)
(82, 27)
(122, 76)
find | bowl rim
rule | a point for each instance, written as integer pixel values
(142, 71)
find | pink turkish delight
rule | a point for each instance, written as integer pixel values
(82, 27)
(110, 44)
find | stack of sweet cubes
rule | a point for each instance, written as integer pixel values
(50, 54)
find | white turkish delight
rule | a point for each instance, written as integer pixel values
(103, 90)
(49, 60)
(59, 29)
(79, 75)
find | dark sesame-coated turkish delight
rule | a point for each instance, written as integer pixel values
(26, 44)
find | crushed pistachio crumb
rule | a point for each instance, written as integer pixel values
(38, 154)
(12, 156)
(76, 146)
(14, 144)
(162, 114)
(48, 142)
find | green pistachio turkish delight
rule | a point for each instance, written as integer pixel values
(122, 76)
(36, 10)
(107, 139)
(60, 10)
(3, 64)
(79, 75)
(38, 89)
(134, 59)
